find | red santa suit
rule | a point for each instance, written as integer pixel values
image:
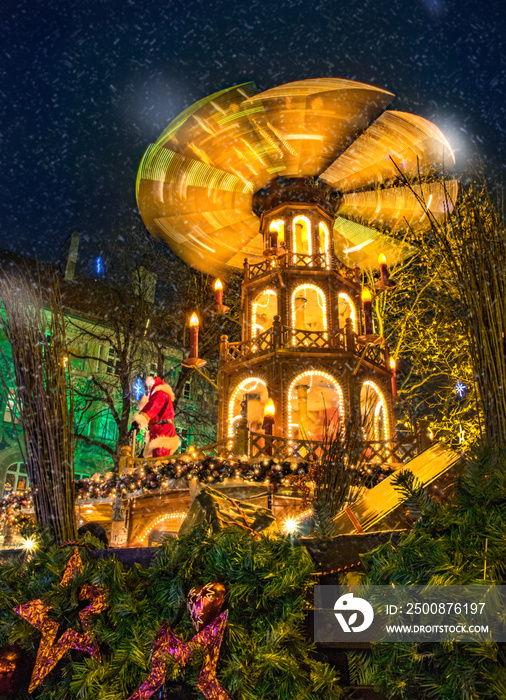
(157, 415)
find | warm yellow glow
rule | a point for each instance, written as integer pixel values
(324, 234)
(306, 232)
(194, 320)
(279, 227)
(313, 373)
(382, 259)
(322, 301)
(380, 406)
(392, 363)
(256, 327)
(269, 408)
(290, 525)
(353, 313)
(167, 516)
(366, 294)
(249, 384)
(29, 544)
(218, 285)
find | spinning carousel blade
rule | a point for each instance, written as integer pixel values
(200, 241)
(356, 244)
(221, 132)
(398, 208)
(313, 121)
(397, 142)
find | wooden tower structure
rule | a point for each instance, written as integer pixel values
(297, 186)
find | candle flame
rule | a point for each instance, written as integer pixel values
(366, 294)
(218, 285)
(392, 363)
(269, 408)
(382, 259)
(194, 320)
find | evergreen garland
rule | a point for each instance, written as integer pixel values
(461, 542)
(264, 655)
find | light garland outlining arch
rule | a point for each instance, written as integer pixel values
(166, 516)
(243, 386)
(323, 228)
(254, 307)
(353, 314)
(381, 405)
(313, 373)
(322, 300)
(300, 220)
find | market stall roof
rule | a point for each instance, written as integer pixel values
(195, 185)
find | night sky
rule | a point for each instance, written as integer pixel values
(85, 86)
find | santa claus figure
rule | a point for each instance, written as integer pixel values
(157, 414)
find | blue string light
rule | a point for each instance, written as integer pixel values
(460, 389)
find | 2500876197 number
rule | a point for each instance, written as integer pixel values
(444, 608)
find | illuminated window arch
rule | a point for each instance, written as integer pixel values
(305, 236)
(247, 385)
(374, 412)
(263, 310)
(322, 407)
(279, 227)
(160, 519)
(347, 310)
(321, 304)
(325, 242)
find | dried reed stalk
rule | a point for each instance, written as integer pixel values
(472, 241)
(39, 369)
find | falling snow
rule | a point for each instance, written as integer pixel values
(86, 86)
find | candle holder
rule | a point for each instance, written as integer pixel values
(196, 362)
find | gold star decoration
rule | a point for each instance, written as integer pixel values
(36, 613)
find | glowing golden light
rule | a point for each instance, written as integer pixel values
(290, 525)
(382, 259)
(218, 285)
(392, 363)
(194, 320)
(366, 295)
(29, 544)
(269, 408)
(196, 182)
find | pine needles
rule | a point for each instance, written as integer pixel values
(39, 386)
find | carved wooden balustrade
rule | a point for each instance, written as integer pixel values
(376, 452)
(317, 261)
(280, 337)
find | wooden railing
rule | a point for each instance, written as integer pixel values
(280, 337)
(377, 452)
(317, 261)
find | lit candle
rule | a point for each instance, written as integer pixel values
(269, 411)
(194, 336)
(394, 377)
(383, 267)
(267, 425)
(218, 293)
(367, 306)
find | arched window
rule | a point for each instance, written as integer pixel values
(315, 405)
(373, 407)
(263, 310)
(346, 310)
(301, 237)
(309, 308)
(248, 399)
(277, 228)
(324, 242)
